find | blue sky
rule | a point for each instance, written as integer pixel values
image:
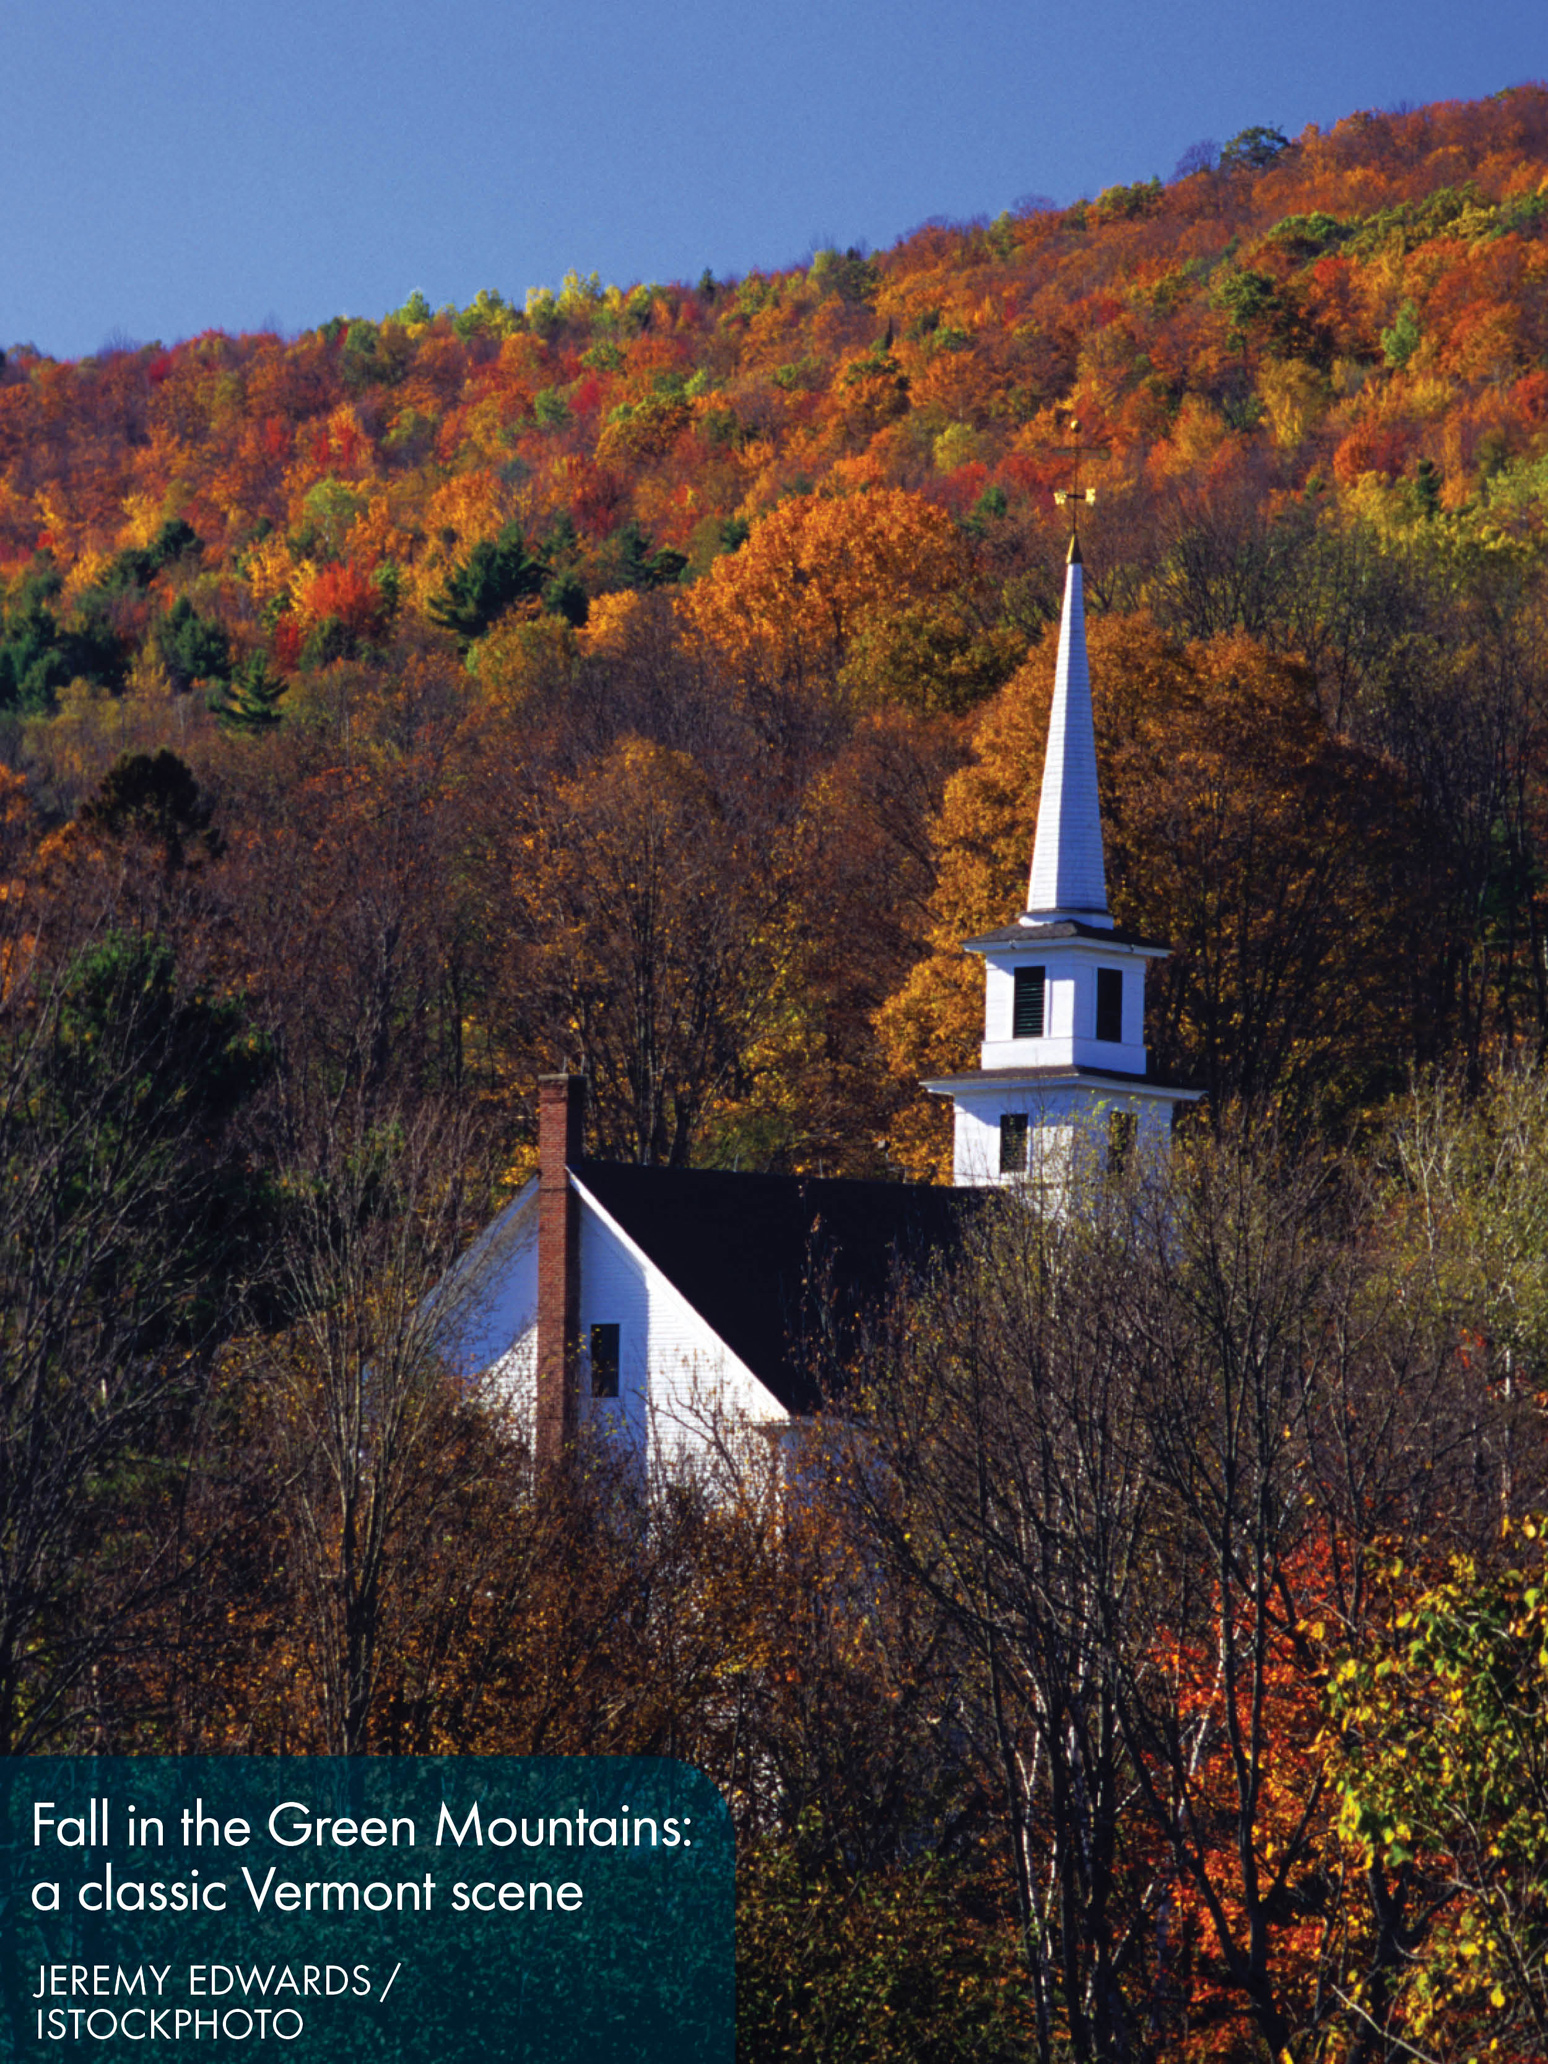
(196, 164)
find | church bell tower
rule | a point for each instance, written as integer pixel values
(1063, 1077)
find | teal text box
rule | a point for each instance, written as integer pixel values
(433, 1909)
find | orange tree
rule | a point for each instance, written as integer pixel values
(820, 572)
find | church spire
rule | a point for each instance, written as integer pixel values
(1068, 876)
(1063, 1081)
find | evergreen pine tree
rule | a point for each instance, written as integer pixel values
(249, 701)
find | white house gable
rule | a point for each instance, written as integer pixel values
(646, 1363)
(677, 1380)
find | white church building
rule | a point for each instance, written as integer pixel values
(667, 1304)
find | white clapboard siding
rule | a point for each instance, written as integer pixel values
(490, 1305)
(681, 1389)
(680, 1386)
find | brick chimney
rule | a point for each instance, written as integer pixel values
(561, 1133)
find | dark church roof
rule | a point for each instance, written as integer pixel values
(1061, 1073)
(775, 1263)
(1035, 935)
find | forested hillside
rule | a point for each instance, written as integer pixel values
(737, 574)
(653, 679)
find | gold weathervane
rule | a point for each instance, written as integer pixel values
(1075, 497)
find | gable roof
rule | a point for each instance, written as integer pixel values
(773, 1262)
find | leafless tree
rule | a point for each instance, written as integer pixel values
(378, 1204)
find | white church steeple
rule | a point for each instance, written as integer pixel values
(1063, 1070)
(1068, 875)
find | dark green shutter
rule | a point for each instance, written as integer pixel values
(1027, 1010)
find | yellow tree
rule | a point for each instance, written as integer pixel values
(818, 573)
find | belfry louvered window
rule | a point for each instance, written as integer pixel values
(1027, 1007)
(1109, 1011)
(1013, 1143)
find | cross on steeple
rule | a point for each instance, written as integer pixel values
(1075, 496)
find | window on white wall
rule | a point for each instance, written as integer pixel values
(604, 1361)
(1013, 1143)
(1109, 1004)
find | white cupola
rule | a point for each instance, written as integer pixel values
(1063, 1070)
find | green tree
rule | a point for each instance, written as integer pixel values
(39, 654)
(1399, 344)
(127, 1224)
(638, 563)
(896, 1968)
(496, 574)
(1470, 1194)
(1251, 149)
(565, 595)
(250, 702)
(137, 565)
(849, 274)
(192, 648)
